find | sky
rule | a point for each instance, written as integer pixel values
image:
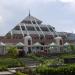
(58, 13)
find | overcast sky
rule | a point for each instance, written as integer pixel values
(58, 13)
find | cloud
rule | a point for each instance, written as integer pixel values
(11, 11)
(9, 8)
(46, 1)
(67, 1)
(1, 20)
(69, 4)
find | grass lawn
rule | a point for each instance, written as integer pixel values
(7, 62)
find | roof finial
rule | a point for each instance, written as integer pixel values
(29, 13)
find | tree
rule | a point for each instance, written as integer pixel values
(12, 51)
(72, 48)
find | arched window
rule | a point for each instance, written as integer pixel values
(60, 42)
(29, 42)
(41, 37)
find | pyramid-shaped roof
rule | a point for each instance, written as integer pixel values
(30, 25)
(31, 18)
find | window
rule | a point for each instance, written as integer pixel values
(38, 22)
(60, 42)
(33, 22)
(51, 29)
(41, 37)
(20, 37)
(26, 22)
(8, 36)
(23, 28)
(37, 28)
(17, 36)
(17, 28)
(36, 37)
(23, 21)
(42, 43)
(44, 28)
(29, 22)
(29, 42)
(29, 49)
(30, 28)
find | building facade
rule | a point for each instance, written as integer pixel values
(32, 33)
(33, 27)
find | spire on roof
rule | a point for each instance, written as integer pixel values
(31, 18)
(29, 13)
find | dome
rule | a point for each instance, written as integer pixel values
(28, 37)
(58, 37)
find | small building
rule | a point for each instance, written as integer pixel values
(37, 47)
(2, 48)
(20, 46)
(67, 48)
(53, 48)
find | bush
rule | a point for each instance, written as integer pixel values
(64, 70)
(72, 48)
(12, 51)
(10, 62)
(20, 73)
(3, 68)
(36, 58)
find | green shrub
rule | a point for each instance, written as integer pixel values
(64, 70)
(20, 73)
(3, 68)
(12, 51)
(36, 58)
(10, 62)
(72, 48)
